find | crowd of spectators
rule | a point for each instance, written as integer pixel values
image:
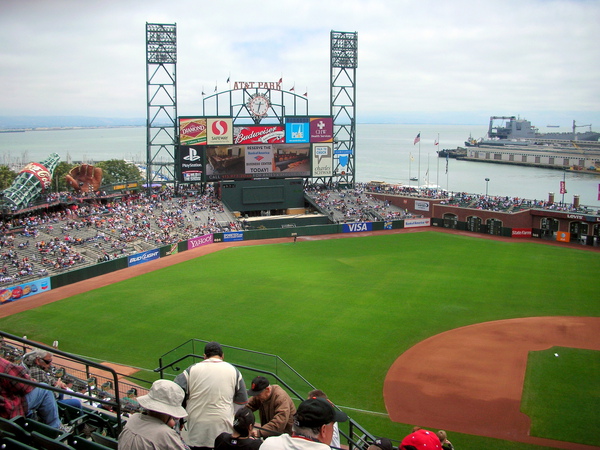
(476, 201)
(355, 205)
(65, 237)
(49, 242)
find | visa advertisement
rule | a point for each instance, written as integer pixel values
(357, 227)
(13, 293)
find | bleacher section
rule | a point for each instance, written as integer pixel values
(104, 412)
(103, 392)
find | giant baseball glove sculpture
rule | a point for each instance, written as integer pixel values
(84, 178)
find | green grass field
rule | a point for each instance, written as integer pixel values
(339, 311)
(562, 394)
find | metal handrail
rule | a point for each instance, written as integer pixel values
(354, 439)
(86, 362)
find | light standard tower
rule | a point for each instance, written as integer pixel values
(487, 183)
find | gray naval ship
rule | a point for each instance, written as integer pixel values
(513, 131)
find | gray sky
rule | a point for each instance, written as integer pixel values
(425, 61)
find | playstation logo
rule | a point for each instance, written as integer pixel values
(192, 156)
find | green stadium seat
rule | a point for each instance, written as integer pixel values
(31, 425)
(11, 429)
(80, 443)
(7, 443)
(43, 442)
(105, 440)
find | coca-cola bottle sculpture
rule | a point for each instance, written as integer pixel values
(33, 180)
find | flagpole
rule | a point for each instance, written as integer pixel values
(447, 176)
(409, 165)
(437, 181)
(419, 171)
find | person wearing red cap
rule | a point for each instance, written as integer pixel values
(421, 440)
(312, 430)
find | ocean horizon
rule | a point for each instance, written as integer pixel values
(384, 152)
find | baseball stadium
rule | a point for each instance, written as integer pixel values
(250, 230)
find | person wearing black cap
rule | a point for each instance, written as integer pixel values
(275, 407)
(240, 439)
(313, 427)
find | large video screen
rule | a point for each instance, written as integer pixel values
(301, 147)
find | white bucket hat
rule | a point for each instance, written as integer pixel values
(164, 397)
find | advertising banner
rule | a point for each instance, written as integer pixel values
(271, 134)
(421, 206)
(10, 294)
(141, 258)
(259, 159)
(413, 223)
(297, 130)
(321, 129)
(219, 131)
(200, 241)
(190, 161)
(231, 236)
(521, 233)
(238, 162)
(563, 236)
(357, 227)
(322, 160)
(192, 131)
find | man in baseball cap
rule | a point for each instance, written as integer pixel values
(275, 408)
(313, 427)
(154, 427)
(421, 440)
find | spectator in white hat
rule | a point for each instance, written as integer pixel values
(153, 428)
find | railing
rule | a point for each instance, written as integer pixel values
(254, 363)
(111, 404)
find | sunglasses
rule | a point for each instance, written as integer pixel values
(47, 361)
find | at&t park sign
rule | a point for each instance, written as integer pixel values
(273, 85)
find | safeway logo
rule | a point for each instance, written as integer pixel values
(219, 128)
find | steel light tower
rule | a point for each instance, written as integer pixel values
(344, 62)
(161, 83)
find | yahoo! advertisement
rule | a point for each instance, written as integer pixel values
(200, 241)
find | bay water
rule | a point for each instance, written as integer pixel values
(384, 152)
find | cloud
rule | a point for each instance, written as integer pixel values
(69, 57)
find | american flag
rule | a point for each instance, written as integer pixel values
(417, 139)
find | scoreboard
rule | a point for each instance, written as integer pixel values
(214, 148)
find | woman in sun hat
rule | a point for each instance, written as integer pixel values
(153, 429)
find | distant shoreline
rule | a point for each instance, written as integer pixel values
(99, 127)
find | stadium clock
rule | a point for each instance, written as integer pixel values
(259, 105)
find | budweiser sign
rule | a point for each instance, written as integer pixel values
(258, 135)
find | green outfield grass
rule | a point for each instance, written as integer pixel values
(561, 394)
(339, 311)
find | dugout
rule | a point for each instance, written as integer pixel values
(268, 197)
